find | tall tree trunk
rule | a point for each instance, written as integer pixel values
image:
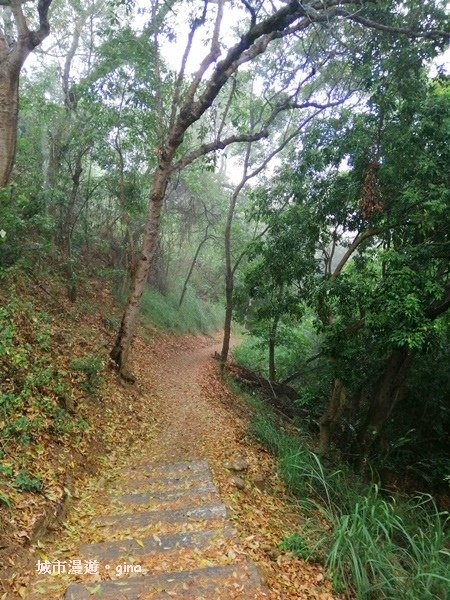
(9, 108)
(389, 390)
(13, 54)
(229, 280)
(229, 269)
(229, 288)
(121, 350)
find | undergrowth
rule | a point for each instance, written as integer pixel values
(162, 310)
(374, 546)
(195, 315)
(36, 393)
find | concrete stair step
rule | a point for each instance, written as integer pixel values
(107, 552)
(180, 469)
(167, 536)
(223, 582)
(118, 523)
(156, 498)
(163, 484)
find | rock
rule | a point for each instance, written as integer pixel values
(274, 554)
(238, 482)
(259, 480)
(237, 463)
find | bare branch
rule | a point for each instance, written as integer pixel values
(357, 18)
(227, 108)
(209, 59)
(218, 145)
(179, 81)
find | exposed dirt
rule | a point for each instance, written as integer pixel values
(193, 416)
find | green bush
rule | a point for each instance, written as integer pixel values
(295, 343)
(25, 482)
(299, 546)
(111, 322)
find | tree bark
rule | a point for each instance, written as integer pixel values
(121, 350)
(229, 273)
(332, 416)
(389, 390)
(13, 54)
(229, 288)
(9, 109)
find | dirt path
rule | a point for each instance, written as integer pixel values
(194, 417)
(190, 425)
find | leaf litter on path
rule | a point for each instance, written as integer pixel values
(191, 416)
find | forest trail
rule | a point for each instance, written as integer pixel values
(220, 526)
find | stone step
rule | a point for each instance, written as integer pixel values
(145, 498)
(144, 519)
(215, 583)
(180, 469)
(111, 551)
(155, 484)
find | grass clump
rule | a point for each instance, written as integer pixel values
(373, 546)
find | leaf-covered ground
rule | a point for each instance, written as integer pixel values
(179, 409)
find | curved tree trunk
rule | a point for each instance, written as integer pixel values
(121, 350)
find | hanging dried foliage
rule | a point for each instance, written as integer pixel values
(370, 201)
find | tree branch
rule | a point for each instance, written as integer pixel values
(438, 307)
(218, 145)
(359, 239)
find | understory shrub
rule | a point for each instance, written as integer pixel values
(373, 545)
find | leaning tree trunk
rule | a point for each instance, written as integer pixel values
(192, 267)
(389, 391)
(9, 108)
(121, 350)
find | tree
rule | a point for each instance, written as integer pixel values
(14, 50)
(379, 313)
(191, 101)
